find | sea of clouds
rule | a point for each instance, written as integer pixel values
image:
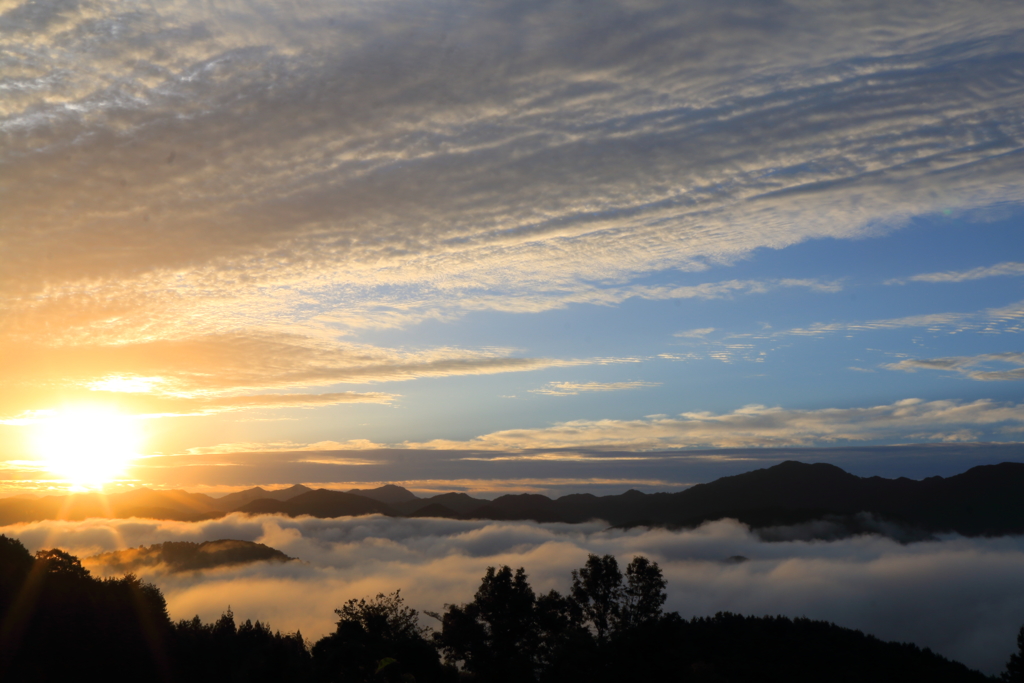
(962, 597)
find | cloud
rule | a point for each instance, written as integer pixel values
(998, 320)
(573, 388)
(205, 374)
(148, 405)
(283, 446)
(186, 169)
(1000, 269)
(537, 302)
(755, 426)
(960, 597)
(698, 333)
(974, 367)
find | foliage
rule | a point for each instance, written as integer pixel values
(495, 636)
(385, 617)
(59, 562)
(597, 589)
(56, 614)
(644, 594)
(1015, 667)
(378, 640)
(223, 651)
(508, 634)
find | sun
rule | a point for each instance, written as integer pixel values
(88, 447)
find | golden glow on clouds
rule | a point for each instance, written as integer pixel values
(126, 384)
(88, 447)
(165, 261)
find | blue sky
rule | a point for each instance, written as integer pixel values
(511, 228)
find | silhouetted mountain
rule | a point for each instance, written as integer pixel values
(435, 510)
(984, 500)
(526, 506)
(789, 500)
(319, 503)
(457, 502)
(143, 502)
(233, 501)
(388, 494)
(180, 556)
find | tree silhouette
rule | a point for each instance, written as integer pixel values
(377, 640)
(385, 617)
(508, 634)
(597, 589)
(59, 622)
(59, 562)
(495, 635)
(224, 652)
(1015, 667)
(644, 594)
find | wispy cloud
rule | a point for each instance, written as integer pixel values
(997, 320)
(411, 163)
(698, 333)
(287, 447)
(978, 367)
(757, 426)
(573, 388)
(1000, 269)
(204, 375)
(149, 405)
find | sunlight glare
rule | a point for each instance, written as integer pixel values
(88, 447)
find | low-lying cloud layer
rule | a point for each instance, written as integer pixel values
(961, 597)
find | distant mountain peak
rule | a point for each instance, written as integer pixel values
(388, 494)
(238, 499)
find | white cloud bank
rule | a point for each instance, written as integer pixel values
(961, 597)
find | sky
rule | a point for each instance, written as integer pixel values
(497, 246)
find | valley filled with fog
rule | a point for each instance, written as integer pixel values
(961, 597)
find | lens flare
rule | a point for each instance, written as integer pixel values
(88, 447)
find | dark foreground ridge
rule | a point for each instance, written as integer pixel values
(58, 623)
(983, 501)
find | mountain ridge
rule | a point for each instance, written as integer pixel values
(984, 500)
